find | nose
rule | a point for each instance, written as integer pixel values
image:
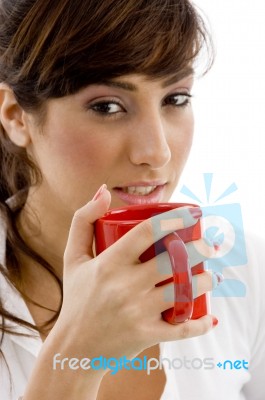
(149, 144)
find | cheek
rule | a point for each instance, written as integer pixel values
(189, 135)
(182, 137)
(73, 167)
(71, 152)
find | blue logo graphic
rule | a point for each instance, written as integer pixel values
(231, 365)
(222, 228)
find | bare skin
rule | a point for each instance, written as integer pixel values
(103, 134)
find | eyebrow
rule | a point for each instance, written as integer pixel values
(178, 77)
(133, 88)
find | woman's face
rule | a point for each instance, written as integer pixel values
(131, 133)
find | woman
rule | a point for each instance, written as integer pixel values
(92, 93)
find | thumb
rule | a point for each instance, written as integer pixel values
(80, 239)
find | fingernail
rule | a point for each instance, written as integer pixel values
(215, 322)
(217, 279)
(196, 212)
(220, 277)
(99, 192)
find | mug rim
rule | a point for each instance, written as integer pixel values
(109, 216)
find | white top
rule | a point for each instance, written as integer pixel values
(239, 338)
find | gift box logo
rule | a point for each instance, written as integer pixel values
(222, 227)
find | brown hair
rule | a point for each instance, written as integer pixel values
(50, 49)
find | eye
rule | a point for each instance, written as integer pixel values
(178, 99)
(106, 108)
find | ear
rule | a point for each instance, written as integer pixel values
(13, 117)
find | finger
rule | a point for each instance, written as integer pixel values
(151, 230)
(199, 251)
(185, 330)
(159, 268)
(155, 270)
(80, 239)
(205, 282)
(163, 297)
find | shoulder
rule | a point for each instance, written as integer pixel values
(255, 271)
(255, 248)
(255, 388)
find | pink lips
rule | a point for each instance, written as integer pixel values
(154, 197)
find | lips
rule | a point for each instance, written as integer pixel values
(140, 193)
(139, 190)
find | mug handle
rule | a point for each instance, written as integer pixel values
(182, 278)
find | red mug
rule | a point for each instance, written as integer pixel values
(117, 222)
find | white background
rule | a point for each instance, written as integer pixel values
(229, 107)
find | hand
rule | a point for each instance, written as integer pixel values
(111, 305)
